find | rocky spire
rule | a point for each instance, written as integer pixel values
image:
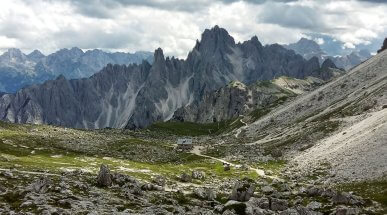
(328, 63)
(158, 55)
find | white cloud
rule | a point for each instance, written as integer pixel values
(174, 25)
(320, 41)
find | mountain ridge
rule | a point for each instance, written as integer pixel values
(18, 70)
(139, 95)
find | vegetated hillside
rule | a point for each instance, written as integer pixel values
(341, 125)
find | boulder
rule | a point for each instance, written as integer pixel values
(289, 211)
(229, 212)
(243, 191)
(253, 206)
(267, 189)
(200, 175)
(305, 211)
(7, 174)
(151, 187)
(347, 211)
(278, 204)
(104, 178)
(238, 207)
(314, 191)
(205, 193)
(159, 180)
(314, 205)
(42, 185)
(122, 179)
(346, 198)
(2, 189)
(185, 178)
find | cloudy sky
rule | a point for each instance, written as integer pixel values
(174, 25)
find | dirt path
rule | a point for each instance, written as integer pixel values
(197, 151)
(32, 173)
(239, 130)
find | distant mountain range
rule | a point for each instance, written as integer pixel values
(137, 95)
(18, 70)
(309, 48)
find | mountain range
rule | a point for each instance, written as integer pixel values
(309, 49)
(135, 96)
(18, 70)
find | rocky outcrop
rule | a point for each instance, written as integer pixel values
(237, 99)
(104, 178)
(384, 46)
(243, 191)
(135, 96)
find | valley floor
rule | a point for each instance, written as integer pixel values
(53, 170)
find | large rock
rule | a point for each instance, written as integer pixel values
(104, 178)
(347, 198)
(278, 204)
(200, 175)
(42, 185)
(257, 206)
(159, 180)
(238, 207)
(205, 193)
(184, 177)
(243, 191)
(347, 211)
(120, 179)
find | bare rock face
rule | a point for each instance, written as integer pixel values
(236, 99)
(104, 178)
(243, 191)
(384, 46)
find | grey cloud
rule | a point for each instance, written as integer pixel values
(257, 1)
(105, 8)
(295, 16)
(374, 1)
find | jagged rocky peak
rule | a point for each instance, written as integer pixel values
(306, 45)
(35, 55)
(215, 40)
(384, 46)
(328, 63)
(15, 54)
(159, 55)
